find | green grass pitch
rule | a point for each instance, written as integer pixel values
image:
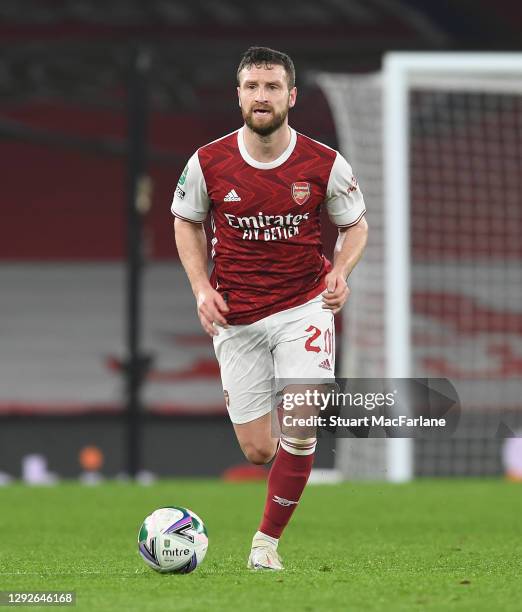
(428, 545)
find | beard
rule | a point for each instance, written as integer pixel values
(266, 128)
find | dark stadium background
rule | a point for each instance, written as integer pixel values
(65, 69)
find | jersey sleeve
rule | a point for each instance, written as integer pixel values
(344, 199)
(191, 201)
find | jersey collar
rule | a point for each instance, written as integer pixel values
(266, 165)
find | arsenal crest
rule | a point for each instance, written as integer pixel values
(301, 192)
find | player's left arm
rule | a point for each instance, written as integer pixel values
(346, 208)
(348, 251)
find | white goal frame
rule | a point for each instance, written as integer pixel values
(402, 72)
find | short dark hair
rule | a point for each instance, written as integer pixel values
(264, 56)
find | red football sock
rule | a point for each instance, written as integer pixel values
(286, 482)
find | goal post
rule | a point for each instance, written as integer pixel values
(433, 141)
(399, 451)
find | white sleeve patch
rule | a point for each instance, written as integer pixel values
(344, 199)
(190, 201)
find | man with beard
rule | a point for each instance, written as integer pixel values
(270, 301)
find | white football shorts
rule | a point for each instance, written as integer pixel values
(294, 343)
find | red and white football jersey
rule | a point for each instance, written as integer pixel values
(266, 243)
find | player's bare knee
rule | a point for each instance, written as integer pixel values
(259, 454)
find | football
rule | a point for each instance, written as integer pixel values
(173, 540)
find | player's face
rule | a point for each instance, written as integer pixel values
(264, 98)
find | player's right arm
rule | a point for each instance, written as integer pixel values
(190, 207)
(191, 242)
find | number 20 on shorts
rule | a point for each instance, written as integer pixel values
(315, 337)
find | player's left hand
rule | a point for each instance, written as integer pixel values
(336, 293)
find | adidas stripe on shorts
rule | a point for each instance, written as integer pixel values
(294, 343)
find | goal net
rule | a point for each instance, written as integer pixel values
(436, 143)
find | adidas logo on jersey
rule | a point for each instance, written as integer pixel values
(232, 196)
(325, 364)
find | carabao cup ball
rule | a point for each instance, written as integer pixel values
(173, 540)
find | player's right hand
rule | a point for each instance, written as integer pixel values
(211, 307)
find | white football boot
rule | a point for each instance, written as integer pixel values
(264, 556)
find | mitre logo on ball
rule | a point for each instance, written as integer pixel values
(301, 192)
